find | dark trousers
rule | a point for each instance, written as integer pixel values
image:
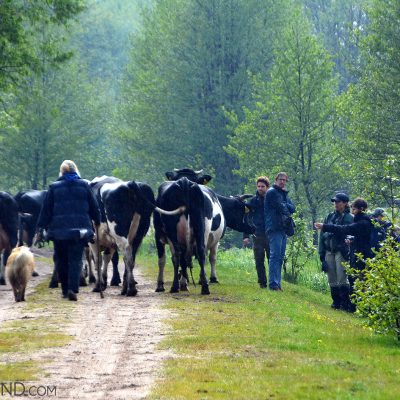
(261, 249)
(68, 256)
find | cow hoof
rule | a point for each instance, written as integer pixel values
(214, 280)
(205, 290)
(123, 292)
(96, 289)
(174, 290)
(131, 292)
(34, 273)
(53, 285)
(92, 279)
(184, 288)
(82, 282)
(2, 281)
(115, 282)
(160, 289)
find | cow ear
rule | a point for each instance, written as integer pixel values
(205, 179)
(170, 175)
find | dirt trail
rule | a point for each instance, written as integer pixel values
(114, 352)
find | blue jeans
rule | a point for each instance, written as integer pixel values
(277, 247)
(68, 259)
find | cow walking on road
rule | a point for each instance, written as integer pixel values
(8, 229)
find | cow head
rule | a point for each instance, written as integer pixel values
(237, 214)
(194, 176)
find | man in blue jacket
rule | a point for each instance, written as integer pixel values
(67, 214)
(277, 207)
(260, 240)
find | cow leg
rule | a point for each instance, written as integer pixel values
(175, 262)
(89, 263)
(203, 277)
(6, 254)
(129, 258)
(213, 258)
(2, 276)
(116, 279)
(161, 264)
(183, 282)
(99, 276)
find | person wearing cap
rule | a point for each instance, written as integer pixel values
(260, 240)
(67, 214)
(360, 229)
(333, 252)
(277, 206)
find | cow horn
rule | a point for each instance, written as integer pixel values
(176, 169)
(179, 210)
(198, 172)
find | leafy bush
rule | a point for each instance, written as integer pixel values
(377, 292)
(299, 250)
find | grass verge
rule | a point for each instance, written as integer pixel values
(242, 342)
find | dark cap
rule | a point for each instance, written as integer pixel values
(378, 211)
(341, 197)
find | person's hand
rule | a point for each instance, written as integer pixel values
(246, 242)
(318, 225)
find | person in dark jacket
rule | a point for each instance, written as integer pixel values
(382, 228)
(260, 240)
(277, 207)
(333, 252)
(360, 229)
(67, 214)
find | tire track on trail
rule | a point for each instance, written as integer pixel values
(113, 354)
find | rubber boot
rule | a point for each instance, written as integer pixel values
(346, 303)
(335, 293)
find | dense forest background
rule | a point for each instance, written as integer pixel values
(240, 88)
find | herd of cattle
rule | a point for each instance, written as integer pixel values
(187, 215)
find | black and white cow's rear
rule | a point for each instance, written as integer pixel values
(8, 229)
(126, 208)
(193, 233)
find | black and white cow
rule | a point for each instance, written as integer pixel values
(126, 208)
(199, 230)
(29, 205)
(8, 229)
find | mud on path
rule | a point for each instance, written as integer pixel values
(113, 354)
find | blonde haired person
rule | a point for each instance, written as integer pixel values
(67, 214)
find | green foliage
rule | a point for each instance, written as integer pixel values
(370, 109)
(340, 24)
(189, 62)
(292, 123)
(377, 292)
(299, 249)
(20, 23)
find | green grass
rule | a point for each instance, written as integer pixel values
(242, 342)
(19, 339)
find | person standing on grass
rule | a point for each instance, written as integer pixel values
(360, 229)
(277, 206)
(260, 239)
(333, 252)
(67, 214)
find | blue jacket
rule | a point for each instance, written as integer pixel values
(277, 204)
(69, 209)
(256, 205)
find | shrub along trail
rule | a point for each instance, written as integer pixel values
(112, 354)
